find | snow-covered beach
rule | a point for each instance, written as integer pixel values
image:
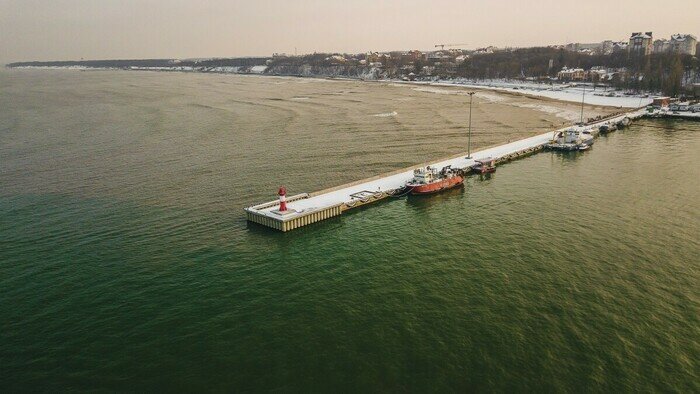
(601, 96)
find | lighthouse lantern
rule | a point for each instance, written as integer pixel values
(283, 198)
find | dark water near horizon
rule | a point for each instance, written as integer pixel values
(127, 271)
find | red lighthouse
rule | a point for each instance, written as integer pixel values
(283, 198)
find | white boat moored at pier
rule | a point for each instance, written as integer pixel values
(571, 139)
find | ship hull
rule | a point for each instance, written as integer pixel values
(438, 186)
(477, 169)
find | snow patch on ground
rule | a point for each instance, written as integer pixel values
(440, 91)
(81, 68)
(309, 80)
(568, 114)
(491, 97)
(226, 69)
(386, 114)
(571, 93)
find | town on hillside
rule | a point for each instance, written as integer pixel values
(668, 66)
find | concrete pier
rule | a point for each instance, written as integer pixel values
(687, 115)
(305, 209)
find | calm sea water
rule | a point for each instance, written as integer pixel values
(126, 263)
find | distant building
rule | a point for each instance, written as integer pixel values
(438, 56)
(661, 101)
(662, 46)
(619, 46)
(684, 43)
(411, 56)
(485, 51)
(336, 59)
(416, 55)
(373, 57)
(641, 43)
(596, 47)
(600, 74)
(606, 47)
(571, 74)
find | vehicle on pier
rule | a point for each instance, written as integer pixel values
(428, 180)
(624, 122)
(607, 128)
(572, 139)
(484, 166)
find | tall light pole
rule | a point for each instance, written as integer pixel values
(469, 143)
(583, 99)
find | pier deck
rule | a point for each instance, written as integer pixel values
(304, 209)
(675, 114)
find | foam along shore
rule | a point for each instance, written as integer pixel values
(337, 200)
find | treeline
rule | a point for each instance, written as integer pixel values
(535, 62)
(659, 72)
(97, 63)
(666, 72)
(228, 62)
(316, 59)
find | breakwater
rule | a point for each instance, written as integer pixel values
(305, 209)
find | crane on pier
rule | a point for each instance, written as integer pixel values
(442, 46)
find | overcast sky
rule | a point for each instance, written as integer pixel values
(110, 29)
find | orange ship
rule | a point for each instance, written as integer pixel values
(429, 180)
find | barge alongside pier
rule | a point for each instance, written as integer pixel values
(430, 180)
(304, 209)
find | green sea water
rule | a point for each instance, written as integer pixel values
(126, 263)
